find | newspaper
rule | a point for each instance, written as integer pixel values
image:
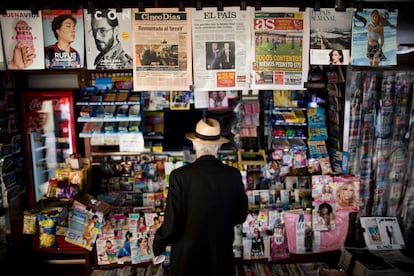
(222, 49)
(330, 30)
(281, 37)
(162, 49)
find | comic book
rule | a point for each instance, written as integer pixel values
(22, 34)
(119, 56)
(58, 58)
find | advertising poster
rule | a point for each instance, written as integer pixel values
(108, 39)
(222, 48)
(23, 39)
(63, 39)
(281, 37)
(330, 36)
(162, 49)
(374, 37)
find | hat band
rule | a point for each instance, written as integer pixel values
(204, 137)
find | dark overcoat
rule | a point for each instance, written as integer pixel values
(205, 200)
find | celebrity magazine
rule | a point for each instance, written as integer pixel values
(55, 57)
(101, 53)
(22, 34)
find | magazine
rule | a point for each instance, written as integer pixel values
(330, 31)
(58, 58)
(141, 250)
(22, 35)
(256, 244)
(118, 26)
(366, 39)
(84, 225)
(107, 248)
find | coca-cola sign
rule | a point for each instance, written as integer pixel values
(39, 105)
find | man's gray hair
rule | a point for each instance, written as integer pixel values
(206, 149)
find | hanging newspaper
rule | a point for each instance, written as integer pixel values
(162, 49)
(281, 37)
(330, 36)
(221, 43)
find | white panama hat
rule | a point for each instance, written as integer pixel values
(207, 132)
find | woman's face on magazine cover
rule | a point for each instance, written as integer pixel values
(348, 191)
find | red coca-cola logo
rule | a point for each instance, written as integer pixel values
(37, 105)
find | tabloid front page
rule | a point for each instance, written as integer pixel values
(281, 37)
(222, 48)
(162, 49)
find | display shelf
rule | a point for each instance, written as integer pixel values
(109, 119)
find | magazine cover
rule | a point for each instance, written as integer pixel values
(84, 226)
(323, 216)
(162, 49)
(22, 35)
(374, 37)
(278, 243)
(281, 37)
(107, 248)
(140, 247)
(108, 39)
(256, 244)
(330, 36)
(63, 39)
(323, 188)
(221, 58)
(347, 192)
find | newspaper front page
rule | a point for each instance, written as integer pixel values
(281, 37)
(162, 49)
(222, 48)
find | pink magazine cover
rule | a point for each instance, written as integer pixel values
(22, 34)
(347, 192)
(63, 36)
(108, 46)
